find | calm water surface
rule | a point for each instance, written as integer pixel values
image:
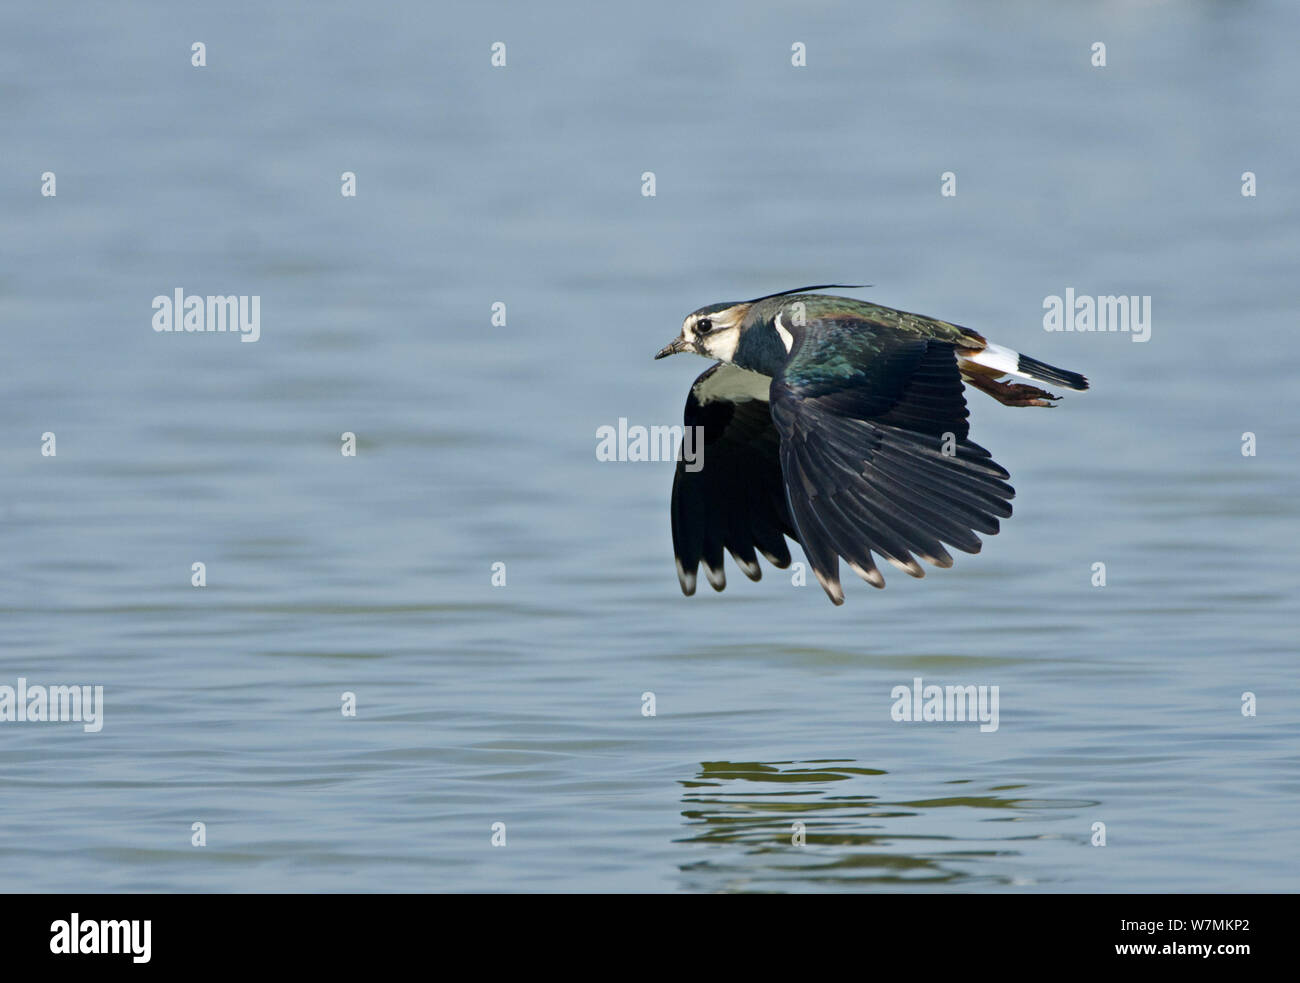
(522, 704)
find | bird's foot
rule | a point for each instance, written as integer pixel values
(1014, 393)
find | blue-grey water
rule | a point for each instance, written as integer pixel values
(522, 704)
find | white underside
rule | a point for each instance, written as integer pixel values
(734, 385)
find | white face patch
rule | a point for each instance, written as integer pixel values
(720, 343)
(787, 338)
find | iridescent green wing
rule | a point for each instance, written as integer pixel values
(874, 447)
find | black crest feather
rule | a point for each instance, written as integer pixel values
(815, 286)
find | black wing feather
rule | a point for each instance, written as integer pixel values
(737, 500)
(879, 460)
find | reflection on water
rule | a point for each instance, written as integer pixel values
(750, 814)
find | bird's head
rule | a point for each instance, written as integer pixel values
(712, 331)
(715, 331)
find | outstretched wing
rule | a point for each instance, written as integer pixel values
(874, 449)
(737, 498)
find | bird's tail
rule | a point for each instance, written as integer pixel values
(994, 361)
(1032, 368)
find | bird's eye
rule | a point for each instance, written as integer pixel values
(703, 326)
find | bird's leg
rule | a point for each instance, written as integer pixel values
(1011, 393)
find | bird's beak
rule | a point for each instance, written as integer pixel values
(678, 344)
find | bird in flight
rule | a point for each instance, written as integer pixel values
(842, 425)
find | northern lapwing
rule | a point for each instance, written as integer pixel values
(842, 425)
